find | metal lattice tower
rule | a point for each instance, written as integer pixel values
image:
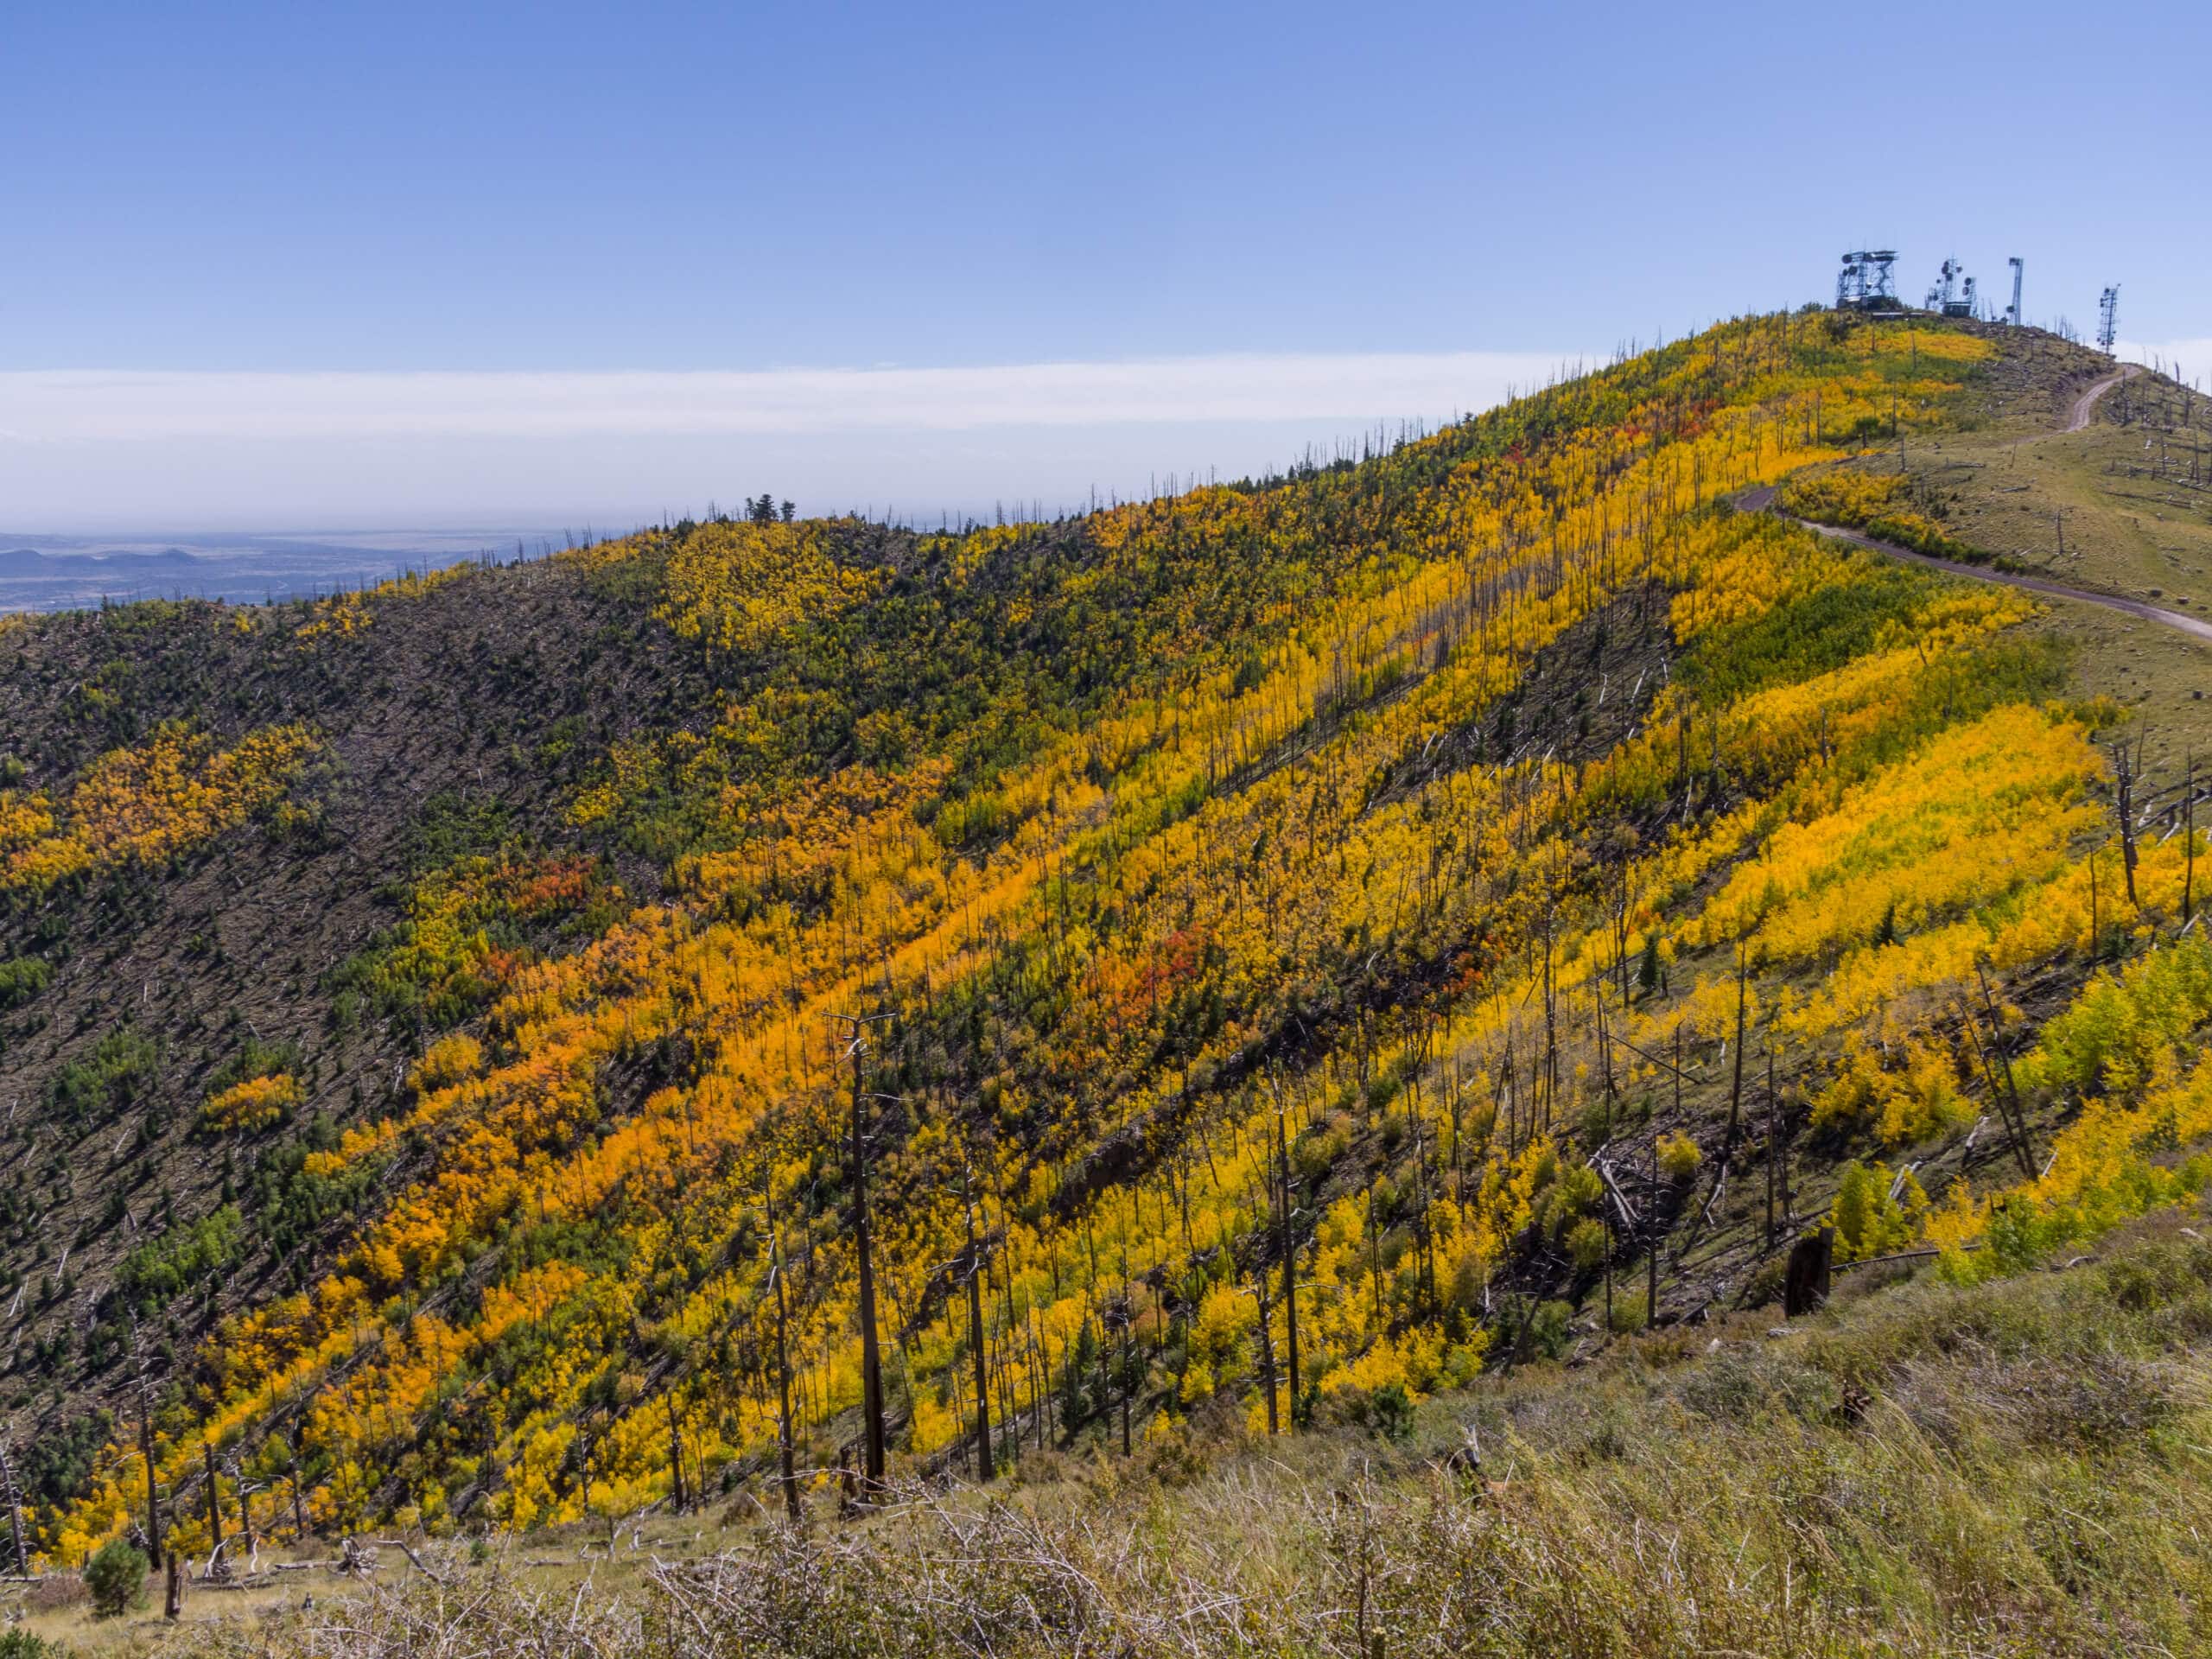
(1945, 299)
(1938, 295)
(2108, 319)
(1866, 283)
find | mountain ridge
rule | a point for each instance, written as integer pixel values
(1320, 868)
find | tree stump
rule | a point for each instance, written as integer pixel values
(1805, 1288)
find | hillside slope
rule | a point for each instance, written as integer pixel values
(1496, 879)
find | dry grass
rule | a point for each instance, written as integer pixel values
(2007, 483)
(2126, 531)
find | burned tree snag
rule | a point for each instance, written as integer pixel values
(674, 1453)
(788, 1473)
(1266, 1340)
(1805, 1285)
(214, 1509)
(1658, 1233)
(1289, 1259)
(15, 1510)
(2009, 1109)
(984, 1461)
(245, 1515)
(1736, 1085)
(871, 1348)
(2188, 839)
(146, 1448)
(2124, 781)
(1773, 1141)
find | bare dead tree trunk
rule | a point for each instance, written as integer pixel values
(1129, 1382)
(1289, 1259)
(871, 1352)
(1651, 1262)
(784, 1447)
(1736, 1085)
(15, 1510)
(146, 1446)
(2008, 1102)
(245, 1515)
(214, 1510)
(1267, 1341)
(984, 1462)
(2124, 777)
(675, 1450)
(1773, 1138)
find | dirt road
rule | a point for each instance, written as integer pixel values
(1762, 500)
(2086, 404)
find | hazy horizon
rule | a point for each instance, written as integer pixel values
(303, 272)
(113, 458)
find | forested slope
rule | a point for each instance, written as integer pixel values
(1494, 881)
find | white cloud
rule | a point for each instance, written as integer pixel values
(97, 406)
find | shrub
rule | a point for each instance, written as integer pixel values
(448, 1060)
(1919, 1101)
(181, 1257)
(1316, 1151)
(1548, 1328)
(1535, 1330)
(122, 1066)
(2116, 1161)
(254, 1104)
(56, 1467)
(254, 1059)
(117, 1577)
(1679, 1157)
(22, 1644)
(1876, 1212)
(2116, 1030)
(1390, 1412)
(1585, 1244)
(1567, 1200)
(23, 978)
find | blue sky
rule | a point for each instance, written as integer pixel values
(562, 189)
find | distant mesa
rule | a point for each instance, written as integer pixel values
(29, 562)
(168, 558)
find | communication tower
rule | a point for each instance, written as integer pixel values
(2108, 319)
(2012, 312)
(1946, 298)
(1866, 283)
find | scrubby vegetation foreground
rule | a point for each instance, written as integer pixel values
(2015, 1468)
